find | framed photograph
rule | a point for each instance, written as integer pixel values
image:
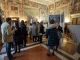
(56, 17)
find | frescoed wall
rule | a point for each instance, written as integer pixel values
(75, 7)
(17, 8)
(61, 7)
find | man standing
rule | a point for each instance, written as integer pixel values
(7, 36)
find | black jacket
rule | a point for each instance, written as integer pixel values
(41, 29)
(60, 29)
(16, 34)
(51, 35)
(23, 29)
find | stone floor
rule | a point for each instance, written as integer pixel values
(37, 53)
(33, 51)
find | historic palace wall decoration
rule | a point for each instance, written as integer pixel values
(75, 7)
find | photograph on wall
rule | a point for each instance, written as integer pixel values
(56, 17)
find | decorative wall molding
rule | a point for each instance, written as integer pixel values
(75, 15)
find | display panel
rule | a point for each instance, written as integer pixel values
(55, 17)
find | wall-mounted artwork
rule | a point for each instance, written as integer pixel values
(56, 17)
(14, 9)
(43, 15)
(75, 7)
(32, 12)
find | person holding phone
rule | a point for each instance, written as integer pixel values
(7, 36)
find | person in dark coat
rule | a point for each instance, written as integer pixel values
(41, 31)
(52, 36)
(60, 31)
(16, 37)
(23, 32)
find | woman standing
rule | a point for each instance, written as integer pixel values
(33, 31)
(23, 33)
(16, 37)
(41, 31)
(52, 36)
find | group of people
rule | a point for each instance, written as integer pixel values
(19, 37)
(36, 31)
(16, 35)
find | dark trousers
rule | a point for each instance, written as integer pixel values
(34, 38)
(8, 50)
(30, 36)
(57, 45)
(24, 41)
(40, 37)
(17, 44)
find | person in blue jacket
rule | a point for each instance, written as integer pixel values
(52, 36)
